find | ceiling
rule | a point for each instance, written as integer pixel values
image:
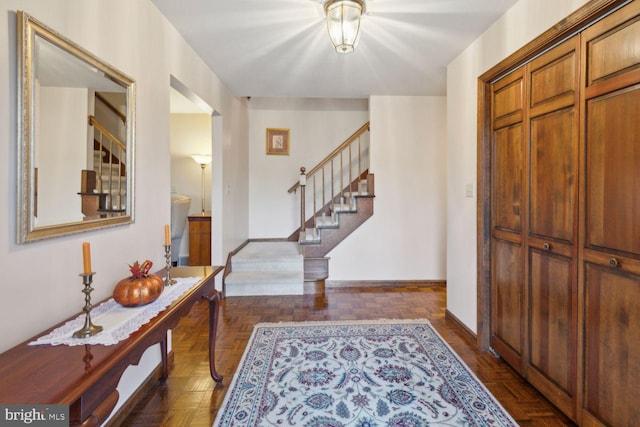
(280, 48)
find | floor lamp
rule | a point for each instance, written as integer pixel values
(203, 160)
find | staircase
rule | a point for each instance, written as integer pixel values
(110, 182)
(103, 188)
(333, 223)
(339, 192)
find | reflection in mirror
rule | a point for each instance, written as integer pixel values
(76, 149)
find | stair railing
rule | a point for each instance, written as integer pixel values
(116, 152)
(111, 107)
(358, 166)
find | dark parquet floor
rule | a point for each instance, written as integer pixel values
(191, 398)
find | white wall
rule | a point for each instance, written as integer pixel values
(230, 169)
(405, 237)
(62, 153)
(522, 23)
(316, 128)
(41, 279)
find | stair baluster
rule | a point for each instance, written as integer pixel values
(333, 188)
(315, 209)
(303, 183)
(350, 171)
(341, 178)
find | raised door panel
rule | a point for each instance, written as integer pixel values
(613, 172)
(615, 52)
(553, 79)
(508, 96)
(612, 48)
(611, 346)
(506, 301)
(507, 178)
(552, 328)
(553, 175)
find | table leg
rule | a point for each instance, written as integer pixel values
(165, 364)
(214, 307)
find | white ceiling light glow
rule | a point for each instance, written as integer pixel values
(343, 23)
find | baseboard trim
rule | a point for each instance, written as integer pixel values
(468, 332)
(147, 385)
(334, 284)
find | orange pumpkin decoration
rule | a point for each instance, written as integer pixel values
(139, 289)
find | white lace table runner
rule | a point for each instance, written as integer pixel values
(118, 322)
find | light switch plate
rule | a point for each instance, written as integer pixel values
(469, 190)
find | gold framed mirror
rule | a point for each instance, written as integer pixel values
(76, 136)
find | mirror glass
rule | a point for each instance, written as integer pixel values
(76, 131)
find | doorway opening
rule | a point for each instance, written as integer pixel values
(191, 149)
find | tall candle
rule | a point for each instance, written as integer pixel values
(86, 257)
(167, 235)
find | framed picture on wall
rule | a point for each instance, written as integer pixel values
(278, 141)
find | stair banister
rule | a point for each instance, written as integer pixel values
(113, 109)
(93, 122)
(333, 154)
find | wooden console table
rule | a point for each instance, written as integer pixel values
(85, 377)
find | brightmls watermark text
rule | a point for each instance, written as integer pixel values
(34, 415)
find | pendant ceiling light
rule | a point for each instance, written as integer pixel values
(343, 23)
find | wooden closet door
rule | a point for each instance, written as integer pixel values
(551, 242)
(610, 268)
(507, 286)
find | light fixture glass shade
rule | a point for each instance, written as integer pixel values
(343, 23)
(202, 159)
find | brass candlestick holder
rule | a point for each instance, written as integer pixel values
(168, 281)
(89, 329)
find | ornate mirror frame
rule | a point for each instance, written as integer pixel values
(36, 43)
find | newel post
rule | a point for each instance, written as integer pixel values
(303, 183)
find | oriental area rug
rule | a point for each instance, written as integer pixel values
(355, 373)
